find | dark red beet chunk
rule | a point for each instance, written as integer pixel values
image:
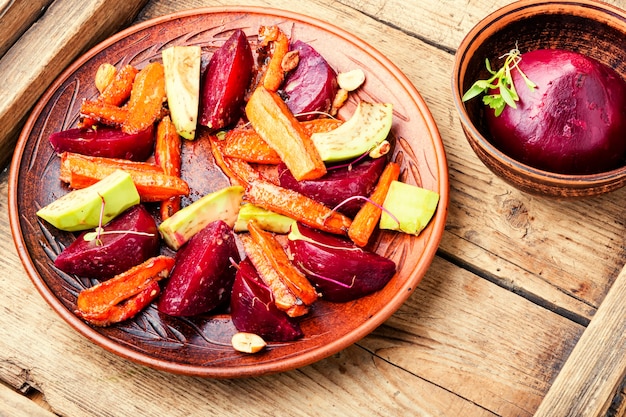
(253, 309)
(106, 142)
(312, 86)
(118, 252)
(203, 274)
(338, 184)
(340, 270)
(225, 81)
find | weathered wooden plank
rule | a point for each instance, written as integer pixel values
(60, 35)
(478, 340)
(16, 17)
(593, 373)
(14, 404)
(443, 23)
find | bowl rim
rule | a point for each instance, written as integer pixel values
(478, 33)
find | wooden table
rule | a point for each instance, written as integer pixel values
(521, 313)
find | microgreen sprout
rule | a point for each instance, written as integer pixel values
(369, 200)
(502, 81)
(95, 235)
(376, 151)
(316, 112)
(99, 231)
(324, 278)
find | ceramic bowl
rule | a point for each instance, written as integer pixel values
(595, 29)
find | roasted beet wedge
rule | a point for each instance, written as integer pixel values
(105, 141)
(312, 86)
(203, 274)
(253, 310)
(225, 81)
(128, 240)
(340, 270)
(338, 184)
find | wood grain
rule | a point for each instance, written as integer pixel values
(16, 17)
(593, 373)
(60, 35)
(16, 405)
(485, 334)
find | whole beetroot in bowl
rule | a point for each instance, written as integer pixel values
(594, 30)
(574, 119)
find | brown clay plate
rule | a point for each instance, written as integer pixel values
(201, 345)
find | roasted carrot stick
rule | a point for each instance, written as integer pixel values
(366, 219)
(245, 143)
(237, 170)
(275, 39)
(297, 206)
(101, 302)
(80, 171)
(118, 91)
(167, 154)
(123, 311)
(146, 98)
(115, 93)
(273, 121)
(295, 280)
(101, 112)
(320, 125)
(284, 299)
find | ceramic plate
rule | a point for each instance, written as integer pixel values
(201, 345)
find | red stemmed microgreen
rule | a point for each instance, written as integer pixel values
(99, 231)
(324, 278)
(502, 81)
(369, 200)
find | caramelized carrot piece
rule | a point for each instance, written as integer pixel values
(114, 86)
(80, 171)
(320, 125)
(278, 42)
(284, 299)
(246, 144)
(237, 170)
(118, 91)
(366, 219)
(101, 112)
(146, 98)
(297, 206)
(273, 121)
(123, 311)
(167, 154)
(99, 301)
(295, 280)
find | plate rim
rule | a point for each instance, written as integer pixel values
(288, 363)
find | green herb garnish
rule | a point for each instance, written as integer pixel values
(502, 81)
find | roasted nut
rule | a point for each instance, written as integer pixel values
(247, 342)
(381, 149)
(105, 74)
(351, 80)
(290, 61)
(338, 101)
